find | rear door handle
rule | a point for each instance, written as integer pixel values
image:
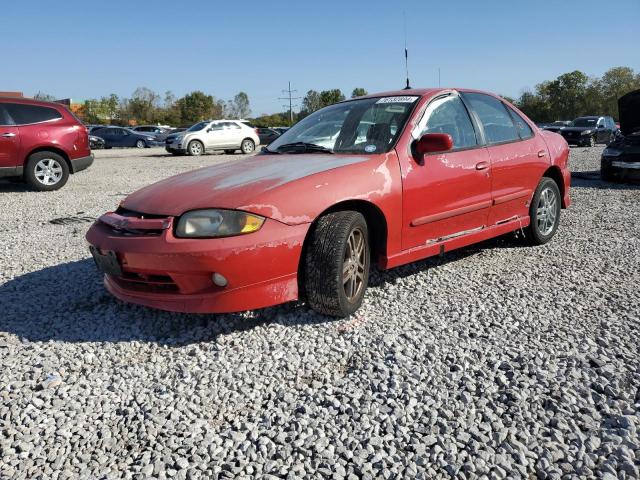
(9, 134)
(482, 165)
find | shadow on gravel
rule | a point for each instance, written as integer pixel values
(591, 179)
(68, 303)
(8, 186)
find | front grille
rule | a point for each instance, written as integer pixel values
(139, 282)
(129, 231)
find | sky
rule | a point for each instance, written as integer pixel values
(84, 49)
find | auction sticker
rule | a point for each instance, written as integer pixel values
(370, 148)
(405, 99)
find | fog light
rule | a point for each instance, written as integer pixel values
(219, 280)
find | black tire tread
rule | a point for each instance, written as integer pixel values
(323, 261)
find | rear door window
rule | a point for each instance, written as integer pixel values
(496, 121)
(524, 130)
(27, 114)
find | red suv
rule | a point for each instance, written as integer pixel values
(41, 142)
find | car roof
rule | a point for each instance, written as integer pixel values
(422, 92)
(31, 101)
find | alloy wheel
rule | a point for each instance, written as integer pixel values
(547, 211)
(48, 171)
(195, 148)
(247, 146)
(353, 269)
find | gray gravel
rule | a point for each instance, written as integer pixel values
(497, 360)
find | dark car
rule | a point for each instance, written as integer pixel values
(267, 135)
(621, 158)
(587, 131)
(96, 143)
(280, 130)
(124, 137)
(41, 142)
(557, 125)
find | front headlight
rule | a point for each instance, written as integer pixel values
(217, 223)
(586, 132)
(611, 152)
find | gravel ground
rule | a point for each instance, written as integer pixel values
(496, 360)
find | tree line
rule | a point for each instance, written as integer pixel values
(575, 94)
(568, 96)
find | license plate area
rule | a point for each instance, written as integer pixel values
(107, 261)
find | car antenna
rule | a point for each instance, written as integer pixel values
(406, 52)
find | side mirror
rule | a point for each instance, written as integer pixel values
(432, 143)
(600, 126)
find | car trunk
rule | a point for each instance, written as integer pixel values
(629, 112)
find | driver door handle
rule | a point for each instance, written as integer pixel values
(482, 165)
(8, 134)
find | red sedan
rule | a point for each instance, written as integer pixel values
(388, 178)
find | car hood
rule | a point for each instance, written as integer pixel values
(232, 184)
(629, 111)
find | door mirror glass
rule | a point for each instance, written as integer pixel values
(434, 142)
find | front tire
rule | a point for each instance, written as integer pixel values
(46, 171)
(336, 264)
(592, 141)
(195, 148)
(141, 144)
(248, 146)
(544, 212)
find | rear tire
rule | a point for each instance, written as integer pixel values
(544, 212)
(46, 171)
(195, 148)
(248, 146)
(336, 264)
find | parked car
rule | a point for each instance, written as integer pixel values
(587, 131)
(621, 158)
(124, 137)
(437, 169)
(227, 135)
(557, 125)
(280, 130)
(96, 143)
(41, 142)
(267, 135)
(153, 129)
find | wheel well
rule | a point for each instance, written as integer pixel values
(376, 224)
(60, 152)
(555, 174)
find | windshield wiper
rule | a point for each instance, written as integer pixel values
(302, 147)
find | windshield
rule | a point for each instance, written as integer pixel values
(585, 122)
(197, 126)
(370, 125)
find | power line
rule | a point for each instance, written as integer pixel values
(291, 98)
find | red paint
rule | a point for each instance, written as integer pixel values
(66, 136)
(426, 203)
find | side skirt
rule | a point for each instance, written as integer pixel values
(446, 244)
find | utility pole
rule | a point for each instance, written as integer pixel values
(291, 98)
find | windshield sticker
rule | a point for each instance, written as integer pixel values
(370, 148)
(405, 99)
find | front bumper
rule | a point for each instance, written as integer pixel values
(618, 167)
(175, 274)
(82, 163)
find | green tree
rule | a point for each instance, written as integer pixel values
(329, 97)
(311, 102)
(197, 106)
(239, 106)
(614, 84)
(358, 92)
